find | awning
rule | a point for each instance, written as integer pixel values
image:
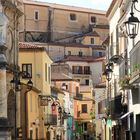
(125, 115)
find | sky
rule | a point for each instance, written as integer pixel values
(94, 4)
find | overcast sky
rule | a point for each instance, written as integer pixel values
(94, 4)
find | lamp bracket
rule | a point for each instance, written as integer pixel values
(135, 5)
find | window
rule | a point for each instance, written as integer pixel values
(85, 126)
(46, 72)
(92, 41)
(84, 108)
(27, 70)
(86, 70)
(100, 108)
(80, 53)
(87, 82)
(93, 19)
(73, 17)
(77, 70)
(69, 52)
(100, 54)
(36, 15)
(77, 90)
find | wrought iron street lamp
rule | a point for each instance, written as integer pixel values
(132, 25)
(108, 71)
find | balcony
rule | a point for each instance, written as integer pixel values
(135, 64)
(50, 119)
(82, 72)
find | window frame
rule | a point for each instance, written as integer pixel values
(84, 110)
(86, 69)
(80, 53)
(26, 72)
(69, 53)
(36, 11)
(100, 54)
(91, 20)
(72, 19)
(91, 40)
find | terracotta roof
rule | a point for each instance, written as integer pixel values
(82, 58)
(60, 76)
(25, 45)
(93, 33)
(102, 26)
(78, 45)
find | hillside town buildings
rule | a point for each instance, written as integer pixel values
(68, 72)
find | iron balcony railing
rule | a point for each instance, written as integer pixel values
(50, 119)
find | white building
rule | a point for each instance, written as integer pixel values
(128, 66)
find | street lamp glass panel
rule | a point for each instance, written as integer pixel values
(132, 26)
(3, 28)
(109, 76)
(59, 110)
(30, 84)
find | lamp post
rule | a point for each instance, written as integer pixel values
(16, 87)
(132, 24)
(108, 74)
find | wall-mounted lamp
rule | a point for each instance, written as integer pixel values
(16, 84)
(108, 71)
(132, 25)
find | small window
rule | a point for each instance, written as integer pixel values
(86, 70)
(93, 19)
(80, 53)
(73, 17)
(85, 126)
(92, 41)
(36, 15)
(87, 82)
(77, 90)
(84, 108)
(69, 52)
(27, 70)
(100, 54)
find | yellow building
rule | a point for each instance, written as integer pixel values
(36, 65)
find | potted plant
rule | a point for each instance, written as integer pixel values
(135, 70)
(124, 82)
